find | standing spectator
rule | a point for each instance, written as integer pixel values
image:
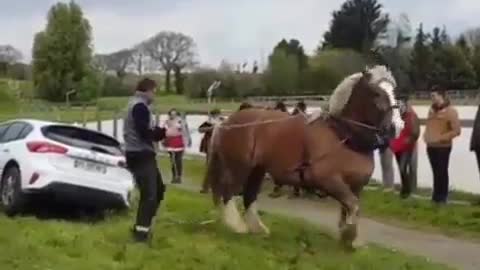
(177, 138)
(386, 160)
(206, 128)
(442, 127)
(139, 135)
(475, 140)
(414, 166)
(404, 145)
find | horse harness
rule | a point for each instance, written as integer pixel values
(359, 137)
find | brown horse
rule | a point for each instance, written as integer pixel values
(331, 153)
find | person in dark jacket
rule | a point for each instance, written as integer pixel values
(139, 135)
(403, 146)
(475, 139)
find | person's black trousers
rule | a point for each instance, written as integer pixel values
(406, 172)
(176, 160)
(144, 168)
(439, 160)
(477, 153)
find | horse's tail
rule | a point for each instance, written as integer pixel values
(214, 174)
(215, 168)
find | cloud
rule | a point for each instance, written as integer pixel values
(222, 29)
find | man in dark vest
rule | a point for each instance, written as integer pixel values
(140, 133)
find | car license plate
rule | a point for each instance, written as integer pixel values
(90, 166)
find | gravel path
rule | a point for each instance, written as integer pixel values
(456, 253)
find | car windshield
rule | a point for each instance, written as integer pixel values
(83, 138)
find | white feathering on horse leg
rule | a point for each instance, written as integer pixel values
(254, 223)
(233, 219)
(352, 215)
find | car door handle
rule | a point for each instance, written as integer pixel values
(6, 150)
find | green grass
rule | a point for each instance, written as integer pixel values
(163, 103)
(182, 242)
(455, 220)
(454, 195)
(12, 108)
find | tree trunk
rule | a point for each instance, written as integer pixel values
(140, 65)
(167, 80)
(179, 80)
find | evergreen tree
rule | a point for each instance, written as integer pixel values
(357, 25)
(421, 60)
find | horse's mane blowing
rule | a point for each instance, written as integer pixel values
(342, 93)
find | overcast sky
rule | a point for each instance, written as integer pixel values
(223, 29)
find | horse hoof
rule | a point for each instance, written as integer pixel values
(238, 228)
(253, 221)
(358, 244)
(347, 236)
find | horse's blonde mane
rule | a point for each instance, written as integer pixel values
(342, 93)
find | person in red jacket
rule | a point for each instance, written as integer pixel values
(404, 145)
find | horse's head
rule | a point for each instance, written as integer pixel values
(369, 98)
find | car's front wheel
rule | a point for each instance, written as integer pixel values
(13, 199)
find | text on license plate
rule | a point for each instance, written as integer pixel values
(90, 166)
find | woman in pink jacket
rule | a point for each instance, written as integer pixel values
(176, 140)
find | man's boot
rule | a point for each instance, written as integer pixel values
(141, 234)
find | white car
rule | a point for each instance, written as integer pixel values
(68, 162)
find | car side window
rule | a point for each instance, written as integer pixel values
(24, 133)
(3, 128)
(13, 132)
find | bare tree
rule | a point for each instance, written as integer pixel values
(139, 59)
(8, 56)
(174, 51)
(117, 61)
(100, 62)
